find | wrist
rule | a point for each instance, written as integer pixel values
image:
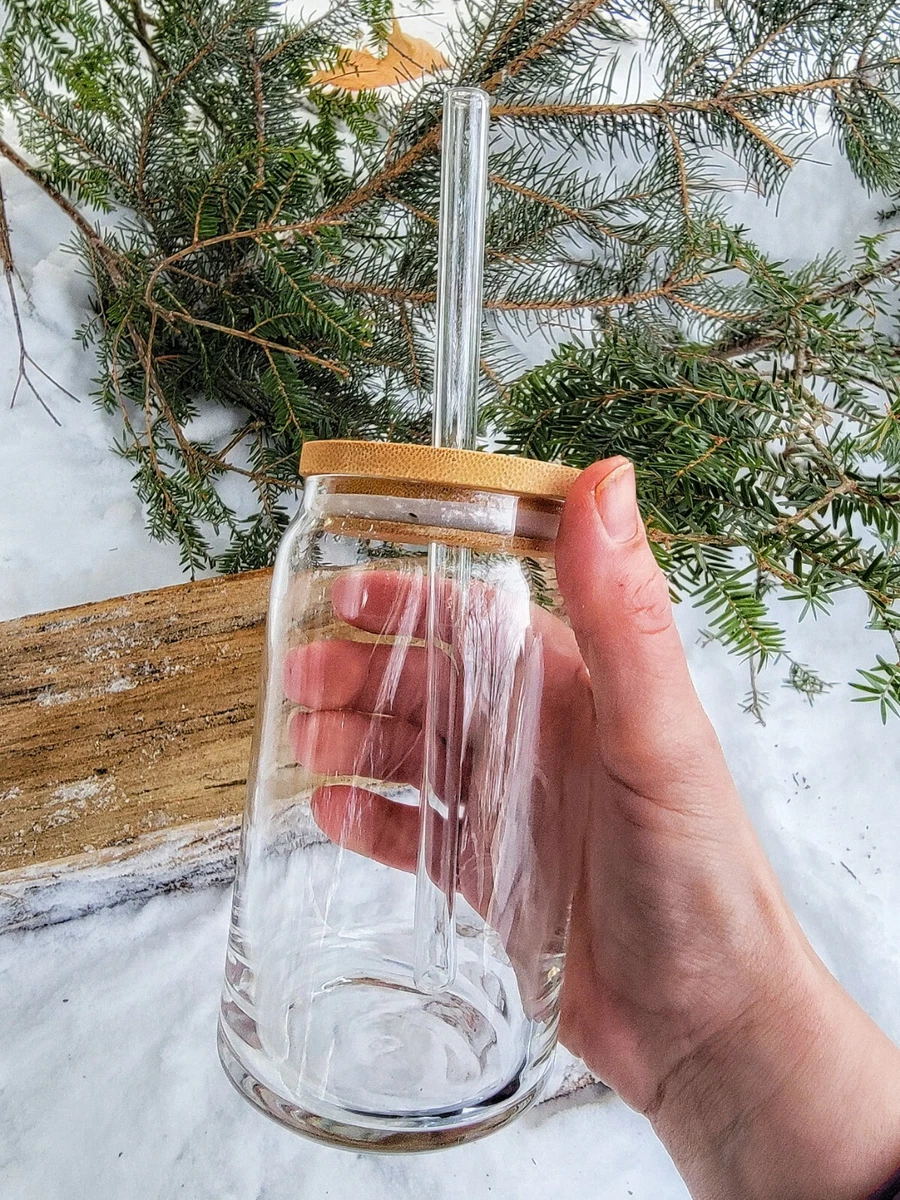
(798, 1099)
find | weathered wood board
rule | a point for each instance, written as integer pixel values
(127, 718)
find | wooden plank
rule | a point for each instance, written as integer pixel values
(122, 719)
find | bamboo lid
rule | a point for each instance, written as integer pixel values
(428, 464)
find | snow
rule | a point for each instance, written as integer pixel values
(128, 1098)
(108, 1074)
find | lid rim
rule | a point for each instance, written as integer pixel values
(476, 469)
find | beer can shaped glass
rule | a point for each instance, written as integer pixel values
(403, 887)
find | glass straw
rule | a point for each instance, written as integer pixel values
(464, 149)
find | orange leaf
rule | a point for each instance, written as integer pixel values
(406, 58)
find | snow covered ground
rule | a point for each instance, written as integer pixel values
(109, 1086)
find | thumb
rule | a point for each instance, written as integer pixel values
(654, 734)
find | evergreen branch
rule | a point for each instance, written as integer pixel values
(761, 137)
(146, 129)
(767, 41)
(418, 213)
(398, 295)
(739, 346)
(667, 108)
(172, 315)
(717, 441)
(817, 506)
(136, 25)
(576, 15)
(410, 341)
(565, 210)
(280, 262)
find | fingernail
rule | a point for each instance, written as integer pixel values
(352, 598)
(616, 503)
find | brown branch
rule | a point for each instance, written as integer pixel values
(664, 538)
(139, 31)
(511, 26)
(492, 375)
(76, 139)
(760, 136)
(326, 317)
(566, 210)
(111, 260)
(302, 32)
(706, 310)
(259, 108)
(666, 290)
(701, 394)
(797, 518)
(682, 171)
(172, 315)
(6, 255)
(559, 32)
(431, 140)
(660, 108)
(416, 212)
(377, 184)
(760, 46)
(378, 291)
(280, 384)
(170, 86)
(411, 346)
(718, 440)
(398, 295)
(233, 235)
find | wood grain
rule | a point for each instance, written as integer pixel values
(128, 717)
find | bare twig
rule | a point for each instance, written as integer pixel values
(25, 359)
(756, 700)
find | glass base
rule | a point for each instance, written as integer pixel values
(383, 1133)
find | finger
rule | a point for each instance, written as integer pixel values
(381, 678)
(392, 602)
(368, 824)
(617, 599)
(351, 743)
(388, 832)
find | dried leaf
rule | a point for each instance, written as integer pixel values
(406, 58)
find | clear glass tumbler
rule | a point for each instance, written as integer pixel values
(403, 886)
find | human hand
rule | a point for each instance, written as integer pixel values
(689, 987)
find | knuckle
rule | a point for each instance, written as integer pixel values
(647, 604)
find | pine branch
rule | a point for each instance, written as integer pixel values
(274, 252)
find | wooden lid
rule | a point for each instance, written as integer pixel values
(457, 468)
